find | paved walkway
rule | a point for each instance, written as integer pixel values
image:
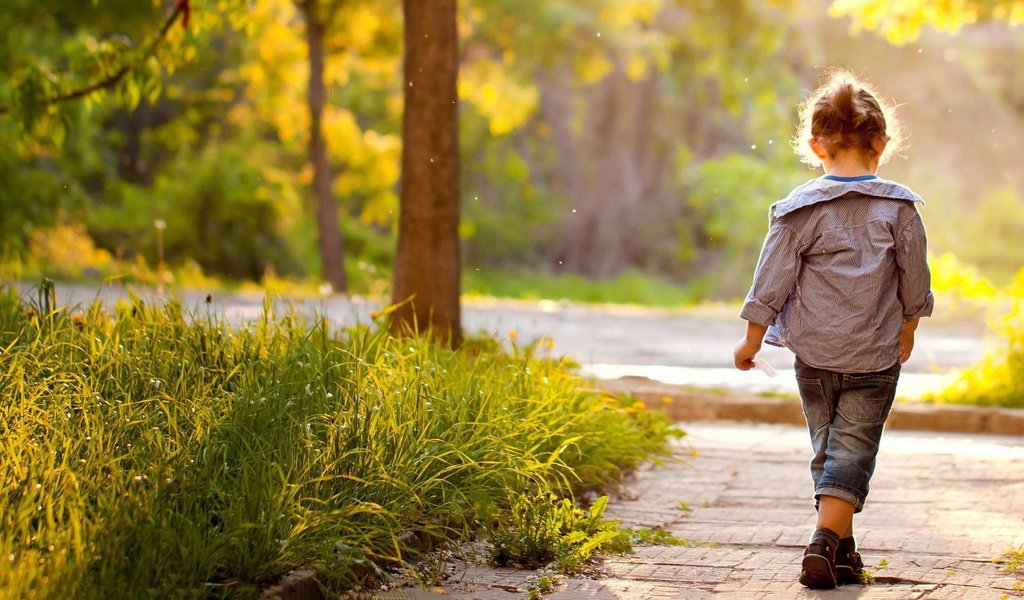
(943, 507)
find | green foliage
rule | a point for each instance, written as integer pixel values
(998, 379)
(729, 200)
(32, 196)
(153, 453)
(229, 207)
(541, 529)
(978, 234)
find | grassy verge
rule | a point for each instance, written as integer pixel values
(631, 288)
(148, 453)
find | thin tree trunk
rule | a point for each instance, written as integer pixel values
(331, 251)
(427, 268)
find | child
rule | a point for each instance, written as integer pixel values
(842, 281)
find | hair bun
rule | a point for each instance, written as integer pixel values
(842, 104)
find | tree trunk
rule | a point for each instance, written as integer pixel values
(328, 228)
(427, 268)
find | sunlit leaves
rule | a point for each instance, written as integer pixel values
(498, 94)
(903, 21)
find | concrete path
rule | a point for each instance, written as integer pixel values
(942, 509)
(686, 346)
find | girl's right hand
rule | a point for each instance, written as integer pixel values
(744, 352)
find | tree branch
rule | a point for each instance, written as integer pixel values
(181, 11)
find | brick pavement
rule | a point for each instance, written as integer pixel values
(943, 507)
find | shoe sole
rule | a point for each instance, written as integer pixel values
(846, 575)
(817, 572)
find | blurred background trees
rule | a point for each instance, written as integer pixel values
(599, 138)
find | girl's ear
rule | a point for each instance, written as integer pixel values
(878, 144)
(818, 148)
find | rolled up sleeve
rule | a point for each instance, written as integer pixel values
(914, 277)
(776, 273)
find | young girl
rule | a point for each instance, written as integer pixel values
(842, 281)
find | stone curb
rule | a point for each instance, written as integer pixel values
(681, 403)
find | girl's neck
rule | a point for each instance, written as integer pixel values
(850, 164)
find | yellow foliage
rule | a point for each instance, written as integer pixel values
(68, 251)
(636, 69)
(506, 102)
(277, 76)
(361, 27)
(621, 15)
(954, 278)
(902, 21)
(593, 68)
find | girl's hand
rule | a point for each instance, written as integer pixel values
(907, 339)
(906, 344)
(744, 352)
(747, 348)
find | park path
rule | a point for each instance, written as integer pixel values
(687, 346)
(942, 509)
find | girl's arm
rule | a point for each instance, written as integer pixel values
(914, 278)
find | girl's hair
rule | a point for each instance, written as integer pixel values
(846, 113)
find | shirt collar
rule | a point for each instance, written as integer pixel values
(822, 190)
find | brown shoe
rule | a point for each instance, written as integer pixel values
(818, 569)
(849, 566)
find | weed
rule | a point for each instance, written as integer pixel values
(544, 585)
(654, 537)
(1013, 560)
(542, 529)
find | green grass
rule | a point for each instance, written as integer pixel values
(150, 453)
(631, 288)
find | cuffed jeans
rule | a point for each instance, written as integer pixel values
(845, 413)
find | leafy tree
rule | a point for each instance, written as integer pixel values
(596, 111)
(319, 15)
(427, 267)
(903, 22)
(359, 116)
(53, 53)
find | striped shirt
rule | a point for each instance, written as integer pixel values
(842, 268)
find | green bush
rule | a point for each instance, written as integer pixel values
(153, 453)
(997, 379)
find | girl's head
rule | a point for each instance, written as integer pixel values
(845, 115)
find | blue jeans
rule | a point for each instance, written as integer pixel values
(845, 415)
